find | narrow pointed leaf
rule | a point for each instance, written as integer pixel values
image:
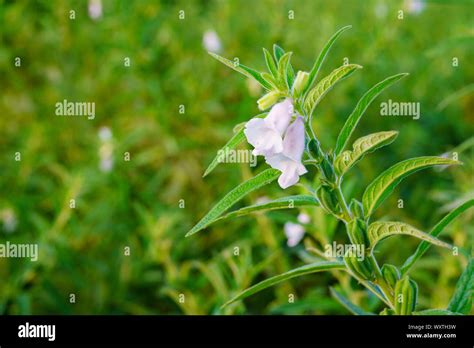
(326, 84)
(270, 79)
(382, 229)
(289, 202)
(461, 302)
(278, 52)
(386, 182)
(236, 139)
(306, 269)
(313, 74)
(244, 70)
(283, 70)
(361, 147)
(359, 110)
(262, 179)
(435, 312)
(347, 304)
(436, 231)
(272, 68)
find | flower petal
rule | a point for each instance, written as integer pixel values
(280, 115)
(293, 143)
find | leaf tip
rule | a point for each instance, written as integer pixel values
(189, 234)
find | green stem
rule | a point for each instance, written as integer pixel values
(342, 202)
(369, 287)
(380, 280)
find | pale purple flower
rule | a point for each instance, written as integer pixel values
(95, 9)
(289, 160)
(303, 218)
(106, 149)
(262, 200)
(265, 134)
(294, 233)
(415, 6)
(211, 41)
(105, 134)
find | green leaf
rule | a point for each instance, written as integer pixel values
(236, 139)
(359, 110)
(362, 147)
(272, 68)
(270, 79)
(289, 202)
(348, 304)
(326, 84)
(436, 231)
(435, 312)
(290, 75)
(461, 302)
(262, 179)
(283, 70)
(278, 52)
(244, 70)
(382, 229)
(386, 182)
(306, 269)
(322, 56)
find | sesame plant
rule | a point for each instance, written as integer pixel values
(283, 135)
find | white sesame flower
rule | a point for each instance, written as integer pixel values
(294, 233)
(9, 220)
(303, 218)
(289, 160)
(211, 41)
(106, 164)
(262, 200)
(95, 9)
(265, 134)
(415, 6)
(105, 133)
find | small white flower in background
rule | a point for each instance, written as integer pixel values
(294, 233)
(106, 164)
(303, 218)
(106, 149)
(415, 6)
(211, 41)
(262, 200)
(95, 9)
(9, 220)
(265, 134)
(105, 133)
(289, 160)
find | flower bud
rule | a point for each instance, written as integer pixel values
(357, 230)
(390, 274)
(362, 269)
(328, 169)
(268, 100)
(300, 83)
(406, 293)
(357, 209)
(315, 150)
(327, 198)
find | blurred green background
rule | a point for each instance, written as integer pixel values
(136, 203)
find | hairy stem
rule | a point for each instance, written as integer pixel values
(342, 202)
(380, 279)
